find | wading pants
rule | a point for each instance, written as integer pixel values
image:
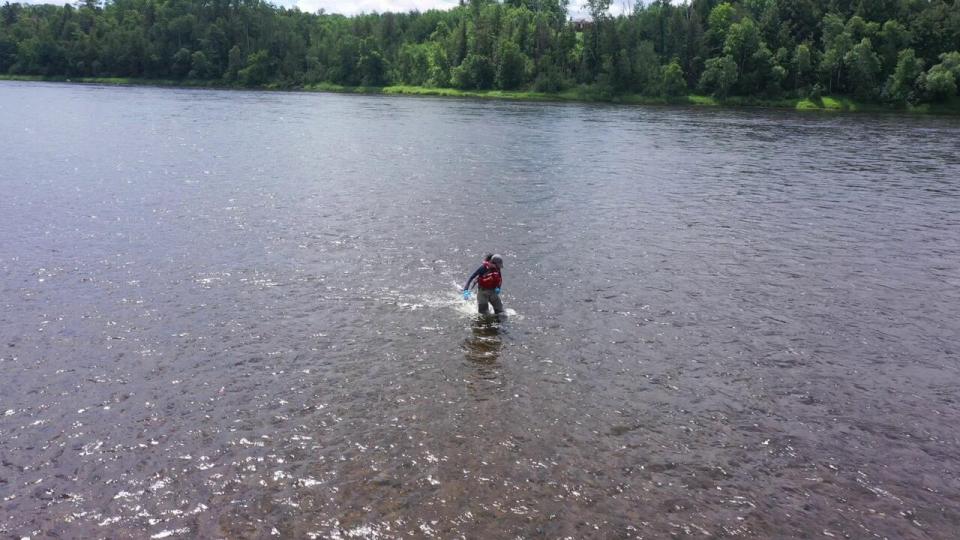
(488, 296)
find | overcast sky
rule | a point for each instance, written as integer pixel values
(352, 7)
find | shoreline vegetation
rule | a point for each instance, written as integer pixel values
(582, 94)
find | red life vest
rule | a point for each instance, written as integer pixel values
(491, 278)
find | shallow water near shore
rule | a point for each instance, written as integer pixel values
(237, 314)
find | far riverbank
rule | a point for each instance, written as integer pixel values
(581, 94)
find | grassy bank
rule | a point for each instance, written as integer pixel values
(586, 94)
(120, 81)
(591, 95)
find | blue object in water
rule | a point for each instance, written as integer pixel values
(497, 290)
(466, 295)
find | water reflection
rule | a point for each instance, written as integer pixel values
(482, 350)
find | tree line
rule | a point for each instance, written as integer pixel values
(874, 50)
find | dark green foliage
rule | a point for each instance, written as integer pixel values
(673, 82)
(870, 49)
(647, 74)
(549, 80)
(476, 72)
(719, 76)
(414, 64)
(371, 66)
(257, 70)
(951, 61)
(182, 61)
(200, 66)
(864, 67)
(718, 24)
(891, 40)
(235, 62)
(939, 83)
(8, 53)
(802, 66)
(511, 66)
(901, 86)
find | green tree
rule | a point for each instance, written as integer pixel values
(181, 63)
(858, 28)
(720, 76)
(371, 66)
(315, 71)
(876, 10)
(413, 64)
(892, 39)
(939, 83)
(864, 66)
(345, 60)
(257, 70)
(774, 78)
(802, 65)
(200, 66)
(476, 72)
(511, 65)
(674, 84)
(758, 70)
(901, 85)
(837, 42)
(439, 66)
(951, 62)
(743, 40)
(647, 73)
(592, 52)
(235, 63)
(718, 23)
(8, 53)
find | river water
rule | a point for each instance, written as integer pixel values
(236, 314)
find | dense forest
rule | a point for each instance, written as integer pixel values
(894, 51)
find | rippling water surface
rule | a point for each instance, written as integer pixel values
(232, 314)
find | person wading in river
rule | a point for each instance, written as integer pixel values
(488, 284)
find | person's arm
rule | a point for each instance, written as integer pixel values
(475, 275)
